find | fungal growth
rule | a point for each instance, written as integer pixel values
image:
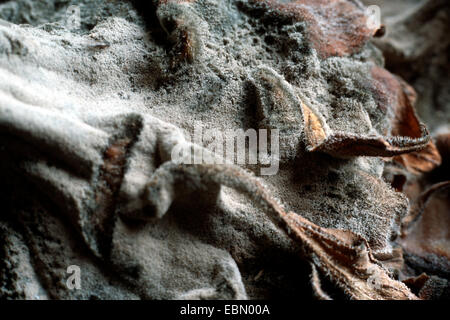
(357, 208)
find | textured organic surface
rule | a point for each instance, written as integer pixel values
(90, 118)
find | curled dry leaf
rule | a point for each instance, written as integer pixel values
(405, 123)
(347, 258)
(347, 144)
(420, 161)
(425, 239)
(343, 255)
(425, 229)
(279, 105)
(418, 207)
(407, 134)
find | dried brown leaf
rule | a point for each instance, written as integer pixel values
(335, 27)
(348, 144)
(409, 138)
(398, 98)
(426, 227)
(347, 258)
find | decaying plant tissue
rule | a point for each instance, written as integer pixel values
(351, 118)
